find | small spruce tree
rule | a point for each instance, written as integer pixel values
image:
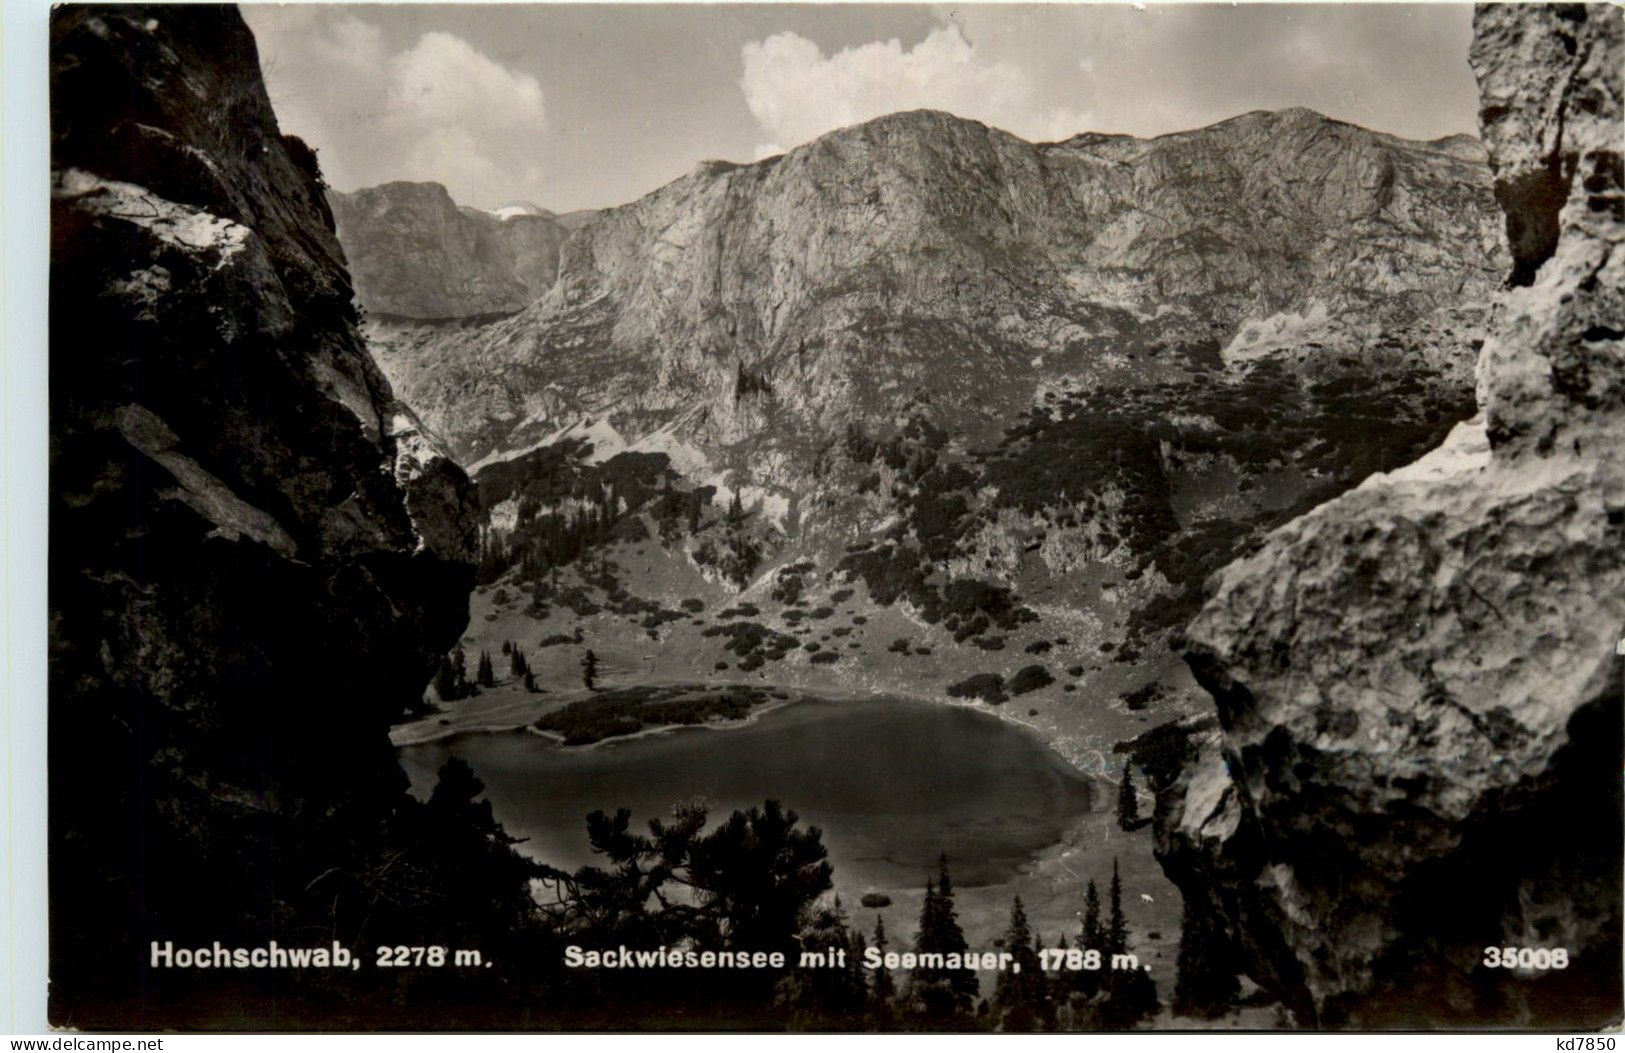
(1116, 935)
(1090, 938)
(883, 988)
(1022, 993)
(1205, 982)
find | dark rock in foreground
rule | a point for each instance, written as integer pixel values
(258, 556)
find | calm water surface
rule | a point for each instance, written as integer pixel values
(892, 784)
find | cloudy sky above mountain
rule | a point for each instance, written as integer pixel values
(581, 106)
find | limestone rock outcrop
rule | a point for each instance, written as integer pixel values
(1417, 683)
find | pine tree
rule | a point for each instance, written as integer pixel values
(1091, 937)
(1116, 935)
(1128, 802)
(459, 664)
(1061, 981)
(835, 991)
(1022, 992)
(1131, 995)
(951, 939)
(507, 647)
(928, 989)
(925, 934)
(883, 988)
(1205, 984)
(516, 661)
(945, 992)
(589, 670)
(530, 681)
(486, 676)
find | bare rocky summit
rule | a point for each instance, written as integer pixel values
(413, 253)
(922, 257)
(1417, 682)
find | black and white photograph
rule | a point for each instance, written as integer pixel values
(654, 518)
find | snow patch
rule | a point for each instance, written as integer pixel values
(516, 209)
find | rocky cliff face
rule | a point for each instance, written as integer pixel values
(1417, 682)
(258, 554)
(413, 253)
(924, 257)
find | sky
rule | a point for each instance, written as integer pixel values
(586, 106)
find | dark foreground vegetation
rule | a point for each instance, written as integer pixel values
(760, 881)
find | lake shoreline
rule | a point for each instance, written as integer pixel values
(891, 786)
(522, 713)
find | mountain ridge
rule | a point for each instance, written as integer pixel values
(414, 253)
(974, 238)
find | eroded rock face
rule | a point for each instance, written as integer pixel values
(920, 255)
(258, 554)
(414, 254)
(1417, 682)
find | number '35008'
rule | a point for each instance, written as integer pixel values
(1526, 957)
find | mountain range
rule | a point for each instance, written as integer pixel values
(924, 257)
(985, 388)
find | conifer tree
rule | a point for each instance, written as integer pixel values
(951, 938)
(507, 647)
(1116, 936)
(530, 681)
(836, 990)
(1062, 980)
(486, 676)
(1205, 984)
(589, 670)
(925, 934)
(1091, 937)
(884, 987)
(928, 988)
(945, 992)
(1022, 992)
(1131, 997)
(1128, 802)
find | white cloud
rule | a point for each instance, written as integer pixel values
(797, 93)
(439, 110)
